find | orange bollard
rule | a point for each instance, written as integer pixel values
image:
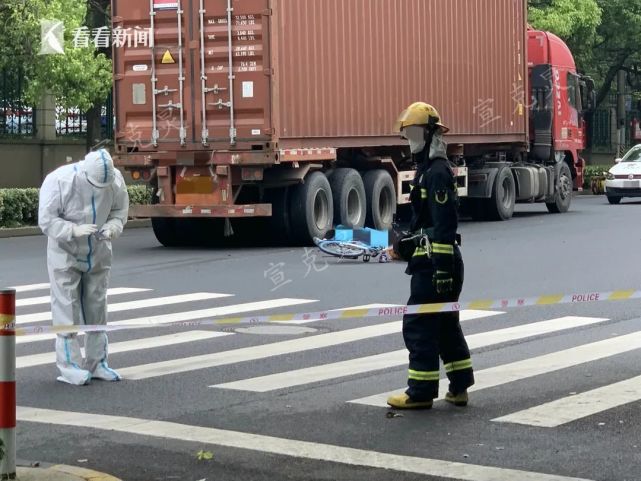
(8, 383)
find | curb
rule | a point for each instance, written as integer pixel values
(33, 231)
(62, 472)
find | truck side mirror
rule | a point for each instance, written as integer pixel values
(616, 161)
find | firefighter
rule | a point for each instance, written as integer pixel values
(436, 267)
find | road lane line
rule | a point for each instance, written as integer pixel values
(128, 346)
(396, 358)
(127, 306)
(118, 291)
(258, 352)
(283, 447)
(499, 375)
(573, 408)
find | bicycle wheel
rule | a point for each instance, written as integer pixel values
(341, 249)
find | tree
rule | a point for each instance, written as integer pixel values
(566, 18)
(617, 44)
(602, 34)
(81, 77)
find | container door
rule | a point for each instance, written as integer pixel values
(152, 91)
(234, 107)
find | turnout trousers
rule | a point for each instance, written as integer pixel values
(430, 336)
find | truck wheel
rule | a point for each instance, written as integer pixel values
(614, 200)
(311, 208)
(381, 199)
(563, 194)
(501, 205)
(278, 225)
(348, 193)
(166, 231)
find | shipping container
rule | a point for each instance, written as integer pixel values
(229, 107)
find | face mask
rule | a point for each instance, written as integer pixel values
(416, 138)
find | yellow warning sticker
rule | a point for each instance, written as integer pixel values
(167, 58)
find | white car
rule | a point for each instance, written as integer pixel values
(624, 179)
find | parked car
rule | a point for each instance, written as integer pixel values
(624, 179)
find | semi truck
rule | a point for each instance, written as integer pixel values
(282, 111)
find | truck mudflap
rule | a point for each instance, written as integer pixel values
(201, 211)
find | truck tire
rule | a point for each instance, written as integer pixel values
(501, 205)
(311, 208)
(348, 192)
(279, 225)
(381, 199)
(563, 192)
(167, 232)
(614, 200)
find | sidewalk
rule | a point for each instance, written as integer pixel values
(60, 472)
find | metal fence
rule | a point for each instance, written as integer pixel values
(16, 117)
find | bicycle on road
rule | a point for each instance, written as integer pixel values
(349, 249)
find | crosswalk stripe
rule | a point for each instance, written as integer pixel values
(573, 408)
(511, 372)
(396, 358)
(139, 304)
(259, 352)
(186, 316)
(516, 371)
(127, 346)
(214, 312)
(31, 287)
(284, 447)
(117, 291)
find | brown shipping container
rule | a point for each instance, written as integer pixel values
(316, 73)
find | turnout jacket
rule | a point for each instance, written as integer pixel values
(434, 202)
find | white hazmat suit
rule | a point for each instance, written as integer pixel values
(83, 206)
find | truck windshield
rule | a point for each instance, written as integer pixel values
(633, 155)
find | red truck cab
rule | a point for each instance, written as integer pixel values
(560, 97)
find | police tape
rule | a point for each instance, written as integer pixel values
(577, 298)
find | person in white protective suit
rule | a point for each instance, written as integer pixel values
(83, 207)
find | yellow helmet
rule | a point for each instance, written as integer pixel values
(419, 113)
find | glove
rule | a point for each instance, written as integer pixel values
(83, 230)
(108, 232)
(443, 282)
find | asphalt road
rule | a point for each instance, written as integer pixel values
(320, 423)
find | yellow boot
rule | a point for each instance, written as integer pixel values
(459, 400)
(403, 401)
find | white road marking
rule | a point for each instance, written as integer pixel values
(258, 352)
(573, 408)
(33, 301)
(283, 447)
(530, 367)
(128, 346)
(187, 316)
(215, 312)
(31, 287)
(139, 304)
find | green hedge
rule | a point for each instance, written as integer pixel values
(19, 207)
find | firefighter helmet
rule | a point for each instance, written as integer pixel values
(419, 113)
